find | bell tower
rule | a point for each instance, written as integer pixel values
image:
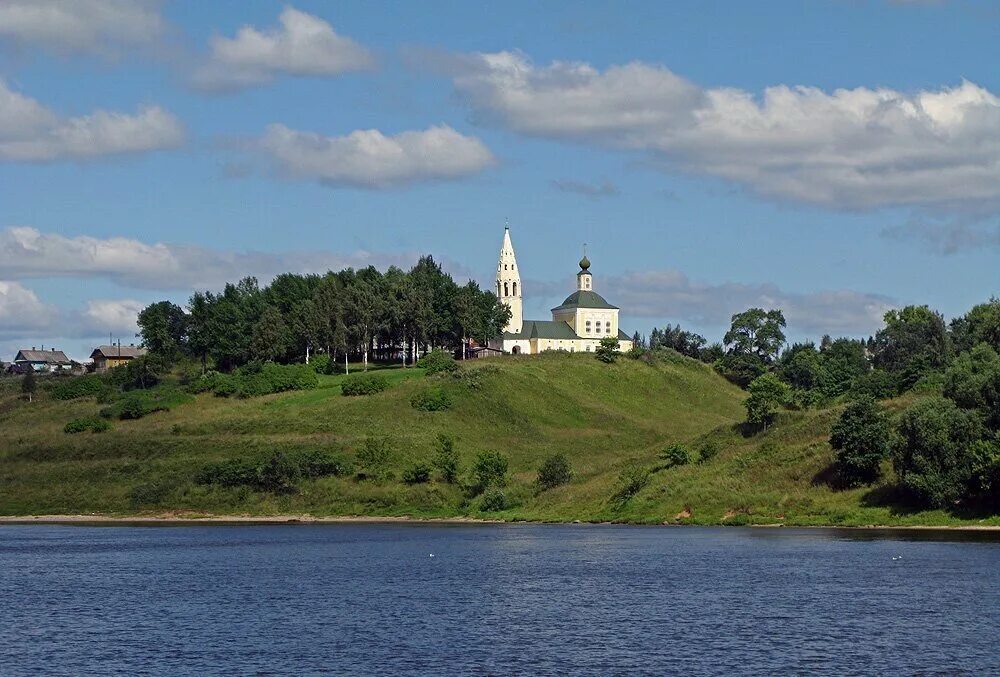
(509, 283)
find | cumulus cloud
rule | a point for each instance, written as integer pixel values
(30, 132)
(21, 311)
(303, 45)
(111, 315)
(592, 190)
(850, 148)
(370, 159)
(95, 26)
(27, 253)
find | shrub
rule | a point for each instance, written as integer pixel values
(707, 451)
(75, 387)
(276, 472)
(554, 471)
(631, 481)
(417, 473)
(861, 438)
(490, 469)
(494, 500)
(877, 384)
(363, 384)
(432, 399)
(608, 350)
(374, 458)
(437, 361)
(675, 454)
(319, 463)
(767, 392)
(84, 423)
(279, 473)
(320, 363)
(139, 403)
(274, 378)
(445, 458)
(131, 407)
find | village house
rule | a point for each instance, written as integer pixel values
(109, 357)
(43, 360)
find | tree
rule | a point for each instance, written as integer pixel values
(973, 382)
(800, 366)
(979, 325)
(608, 350)
(767, 393)
(913, 342)
(490, 470)
(554, 471)
(756, 332)
(935, 452)
(29, 383)
(362, 311)
(163, 329)
(445, 458)
(270, 336)
(861, 438)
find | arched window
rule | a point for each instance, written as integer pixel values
(498, 287)
(588, 326)
(514, 288)
(505, 266)
(607, 328)
(598, 326)
(505, 289)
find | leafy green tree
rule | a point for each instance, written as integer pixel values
(973, 382)
(270, 336)
(375, 457)
(933, 457)
(801, 366)
(862, 439)
(979, 325)
(842, 362)
(675, 454)
(756, 332)
(607, 351)
(163, 329)
(29, 383)
(490, 470)
(141, 372)
(554, 471)
(362, 310)
(913, 343)
(446, 459)
(417, 473)
(767, 393)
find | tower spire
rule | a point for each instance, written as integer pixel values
(509, 282)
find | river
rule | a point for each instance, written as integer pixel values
(496, 599)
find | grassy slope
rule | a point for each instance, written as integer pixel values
(603, 417)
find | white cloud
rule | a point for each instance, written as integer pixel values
(111, 315)
(30, 132)
(27, 253)
(370, 159)
(852, 148)
(303, 45)
(21, 311)
(97, 26)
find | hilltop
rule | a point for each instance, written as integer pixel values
(605, 419)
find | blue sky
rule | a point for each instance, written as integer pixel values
(671, 137)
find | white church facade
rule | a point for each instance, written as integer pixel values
(578, 324)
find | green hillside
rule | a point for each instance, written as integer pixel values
(605, 418)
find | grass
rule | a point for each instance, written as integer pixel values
(602, 418)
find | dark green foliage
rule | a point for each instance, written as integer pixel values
(877, 384)
(494, 500)
(801, 366)
(321, 364)
(163, 327)
(437, 361)
(139, 403)
(417, 473)
(913, 342)
(631, 481)
(254, 381)
(608, 350)
(979, 325)
(862, 439)
(363, 384)
(271, 338)
(318, 463)
(432, 399)
(74, 387)
(375, 458)
(933, 457)
(131, 407)
(673, 337)
(92, 423)
(707, 451)
(756, 332)
(140, 373)
(446, 459)
(739, 368)
(767, 393)
(675, 454)
(277, 472)
(554, 471)
(973, 382)
(489, 470)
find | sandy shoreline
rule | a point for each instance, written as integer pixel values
(173, 519)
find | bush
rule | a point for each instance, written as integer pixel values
(131, 407)
(274, 378)
(432, 399)
(675, 454)
(363, 384)
(555, 471)
(861, 438)
(279, 473)
(608, 350)
(319, 463)
(631, 481)
(494, 500)
(276, 472)
(707, 451)
(139, 403)
(877, 384)
(418, 473)
(84, 423)
(445, 458)
(437, 361)
(320, 363)
(374, 457)
(75, 387)
(490, 469)
(767, 393)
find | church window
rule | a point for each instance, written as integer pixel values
(598, 326)
(506, 289)
(607, 328)
(515, 288)
(588, 326)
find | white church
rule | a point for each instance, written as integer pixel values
(577, 325)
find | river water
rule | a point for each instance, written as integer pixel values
(495, 599)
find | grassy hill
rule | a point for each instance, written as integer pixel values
(604, 418)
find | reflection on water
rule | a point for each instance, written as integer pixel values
(370, 599)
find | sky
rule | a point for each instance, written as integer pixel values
(833, 159)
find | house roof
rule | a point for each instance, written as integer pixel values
(622, 336)
(546, 329)
(585, 299)
(127, 352)
(46, 356)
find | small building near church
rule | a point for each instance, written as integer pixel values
(109, 357)
(43, 360)
(578, 324)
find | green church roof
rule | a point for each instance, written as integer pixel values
(544, 329)
(585, 299)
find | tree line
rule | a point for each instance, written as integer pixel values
(350, 314)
